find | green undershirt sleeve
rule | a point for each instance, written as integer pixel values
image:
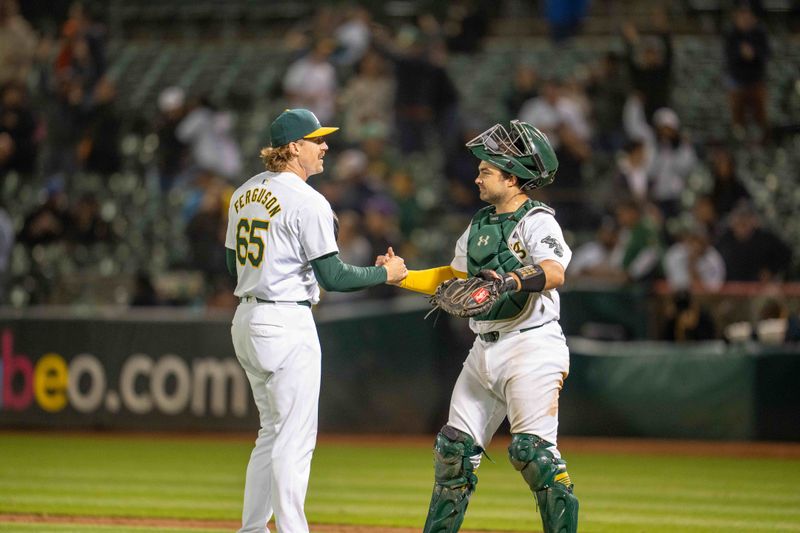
(333, 275)
(230, 262)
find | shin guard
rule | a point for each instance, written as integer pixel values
(549, 481)
(455, 480)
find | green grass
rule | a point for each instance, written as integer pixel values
(387, 485)
(71, 528)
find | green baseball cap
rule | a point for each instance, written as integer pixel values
(294, 124)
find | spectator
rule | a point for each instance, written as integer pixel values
(17, 44)
(403, 191)
(98, 149)
(705, 214)
(751, 252)
(564, 17)
(86, 226)
(209, 134)
(83, 45)
(554, 109)
(567, 193)
(692, 263)
(688, 320)
(382, 156)
(426, 100)
(608, 90)
(460, 171)
(18, 143)
(674, 159)
(777, 324)
(367, 98)
(47, 223)
(650, 64)
(727, 190)
(639, 240)
(562, 116)
(310, 82)
(632, 168)
(601, 258)
(66, 115)
(205, 232)
(524, 87)
(747, 52)
(353, 36)
(352, 177)
(465, 25)
(171, 156)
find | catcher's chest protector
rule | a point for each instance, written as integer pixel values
(487, 248)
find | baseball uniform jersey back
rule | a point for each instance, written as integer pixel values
(278, 224)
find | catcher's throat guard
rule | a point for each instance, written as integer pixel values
(523, 151)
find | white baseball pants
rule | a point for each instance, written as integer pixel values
(519, 376)
(278, 347)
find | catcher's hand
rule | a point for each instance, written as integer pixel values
(467, 297)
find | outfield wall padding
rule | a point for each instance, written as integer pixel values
(385, 369)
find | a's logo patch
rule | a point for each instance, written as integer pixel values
(480, 295)
(553, 243)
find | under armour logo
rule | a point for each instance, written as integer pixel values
(483, 240)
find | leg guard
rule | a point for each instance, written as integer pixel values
(549, 481)
(455, 480)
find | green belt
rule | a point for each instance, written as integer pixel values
(305, 303)
(493, 336)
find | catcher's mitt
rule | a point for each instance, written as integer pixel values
(466, 297)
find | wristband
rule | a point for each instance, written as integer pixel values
(531, 277)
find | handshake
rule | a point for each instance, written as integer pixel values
(395, 266)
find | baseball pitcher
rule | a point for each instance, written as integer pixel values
(280, 244)
(508, 264)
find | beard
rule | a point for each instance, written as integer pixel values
(492, 198)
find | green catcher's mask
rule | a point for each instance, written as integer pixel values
(523, 151)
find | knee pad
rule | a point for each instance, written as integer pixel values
(452, 452)
(455, 480)
(530, 456)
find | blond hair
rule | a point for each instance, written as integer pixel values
(276, 159)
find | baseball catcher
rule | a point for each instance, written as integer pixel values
(506, 268)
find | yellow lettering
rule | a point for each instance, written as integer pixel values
(50, 382)
(275, 211)
(247, 197)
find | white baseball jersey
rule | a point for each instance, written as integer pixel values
(536, 237)
(278, 224)
(518, 375)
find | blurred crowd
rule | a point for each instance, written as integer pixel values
(389, 88)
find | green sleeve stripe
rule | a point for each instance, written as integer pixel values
(230, 261)
(333, 275)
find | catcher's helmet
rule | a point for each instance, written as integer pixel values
(524, 151)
